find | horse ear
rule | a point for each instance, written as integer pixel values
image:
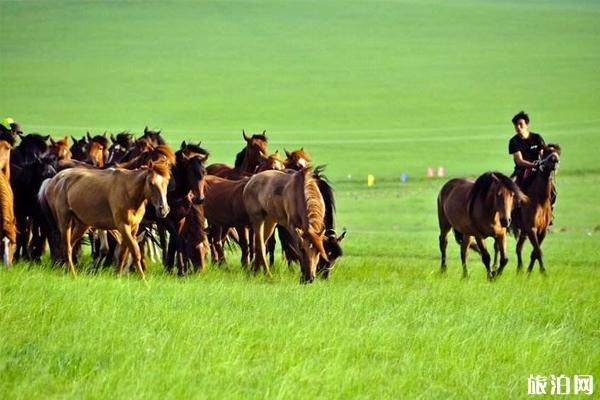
(287, 153)
(342, 236)
(66, 140)
(88, 135)
(277, 151)
(104, 134)
(146, 129)
(301, 148)
(112, 138)
(318, 243)
(73, 139)
(183, 145)
(246, 137)
(52, 142)
(46, 138)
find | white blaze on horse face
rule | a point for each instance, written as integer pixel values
(302, 162)
(278, 165)
(161, 183)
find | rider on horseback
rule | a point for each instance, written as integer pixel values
(527, 149)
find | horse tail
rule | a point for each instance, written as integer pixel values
(48, 222)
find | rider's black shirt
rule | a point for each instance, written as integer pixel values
(530, 148)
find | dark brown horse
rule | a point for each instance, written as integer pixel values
(246, 160)
(113, 199)
(293, 201)
(477, 209)
(533, 218)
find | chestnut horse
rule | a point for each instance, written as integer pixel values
(293, 201)
(532, 219)
(8, 224)
(297, 159)
(246, 160)
(477, 209)
(60, 149)
(112, 199)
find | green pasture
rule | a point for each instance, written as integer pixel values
(366, 87)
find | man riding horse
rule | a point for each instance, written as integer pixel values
(527, 149)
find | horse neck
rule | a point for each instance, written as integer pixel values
(540, 189)
(308, 204)
(249, 163)
(136, 188)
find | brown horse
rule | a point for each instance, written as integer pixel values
(246, 160)
(271, 162)
(60, 149)
(293, 201)
(532, 219)
(113, 199)
(161, 154)
(477, 209)
(8, 227)
(5, 148)
(297, 159)
(224, 209)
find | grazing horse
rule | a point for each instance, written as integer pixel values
(477, 209)
(60, 149)
(113, 199)
(246, 160)
(293, 201)
(8, 225)
(532, 219)
(297, 159)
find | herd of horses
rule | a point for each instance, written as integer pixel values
(126, 194)
(491, 205)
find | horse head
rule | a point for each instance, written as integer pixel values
(297, 159)
(498, 193)
(331, 244)
(60, 148)
(551, 160)
(190, 164)
(156, 187)
(254, 152)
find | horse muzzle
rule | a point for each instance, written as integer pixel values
(505, 222)
(163, 211)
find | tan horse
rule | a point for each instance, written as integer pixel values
(8, 227)
(113, 199)
(5, 148)
(477, 210)
(294, 202)
(60, 149)
(532, 219)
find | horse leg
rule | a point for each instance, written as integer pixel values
(496, 251)
(464, 248)
(260, 258)
(485, 257)
(271, 242)
(541, 237)
(443, 239)
(269, 228)
(500, 247)
(244, 245)
(520, 243)
(536, 253)
(128, 235)
(69, 248)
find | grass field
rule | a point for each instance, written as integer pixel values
(367, 87)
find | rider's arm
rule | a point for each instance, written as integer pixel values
(520, 162)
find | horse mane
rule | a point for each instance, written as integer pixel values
(327, 194)
(101, 140)
(34, 140)
(315, 212)
(150, 134)
(484, 182)
(124, 138)
(9, 228)
(147, 156)
(194, 148)
(161, 168)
